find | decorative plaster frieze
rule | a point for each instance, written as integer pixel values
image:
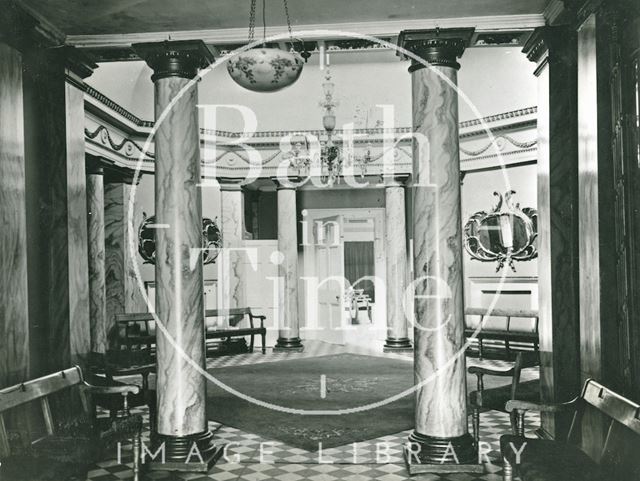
(117, 135)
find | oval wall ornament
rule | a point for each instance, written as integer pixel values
(211, 240)
(505, 234)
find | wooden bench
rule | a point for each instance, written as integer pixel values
(555, 460)
(501, 333)
(135, 334)
(69, 446)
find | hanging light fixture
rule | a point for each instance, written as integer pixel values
(330, 154)
(266, 69)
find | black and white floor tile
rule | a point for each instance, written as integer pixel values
(249, 457)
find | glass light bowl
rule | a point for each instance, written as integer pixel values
(265, 69)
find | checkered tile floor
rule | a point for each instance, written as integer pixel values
(250, 457)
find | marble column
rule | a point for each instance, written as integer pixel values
(289, 322)
(441, 434)
(123, 293)
(395, 248)
(230, 279)
(14, 322)
(553, 49)
(97, 290)
(181, 426)
(57, 239)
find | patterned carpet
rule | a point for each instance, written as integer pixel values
(375, 459)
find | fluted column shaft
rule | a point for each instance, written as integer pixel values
(231, 282)
(180, 344)
(395, 247)
(441, 427)
(289, 322)
(97, 291)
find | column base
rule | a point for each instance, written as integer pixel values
(430, 454)
(402, 344)
(192, 453)
(290, 344)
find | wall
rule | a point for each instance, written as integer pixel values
(520, 287)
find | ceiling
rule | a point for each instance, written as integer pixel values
(93, 17)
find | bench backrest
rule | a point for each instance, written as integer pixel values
(36, 389)
(613, 405)
(13, 396)
(513, 320)
(144, 322)
(622, 443)
(148, 316)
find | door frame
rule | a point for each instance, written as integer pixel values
(308, 257)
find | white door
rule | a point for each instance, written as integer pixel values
(329, 259)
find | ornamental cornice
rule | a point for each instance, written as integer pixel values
(116, 134)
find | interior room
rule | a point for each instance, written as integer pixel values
(295, 240)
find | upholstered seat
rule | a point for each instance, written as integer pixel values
(546, 460)
(497, 397)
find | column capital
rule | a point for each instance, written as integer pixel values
(395, 180)
(25, 32)
(436, 46)
(292, 182)
(119, 175)
(547, 43)
(228, 184)
(94, 165)
(22, 30)
(180, 58)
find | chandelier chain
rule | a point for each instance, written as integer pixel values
(252, 20)
(264, 22)
(286, 12)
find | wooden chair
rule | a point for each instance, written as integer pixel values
(551, 460)
(496, 398)
(68, 447)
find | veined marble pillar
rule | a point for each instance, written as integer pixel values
(14, 322)
(122, 289)
(230, 280)
(181, 425)
(441, 432)
(289, 322)
(57, 241)
(554, 51)
(395, 248)
(97, 290)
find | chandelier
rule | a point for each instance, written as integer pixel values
(266, 69)
(332, 155)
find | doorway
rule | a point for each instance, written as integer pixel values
(344, 295)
